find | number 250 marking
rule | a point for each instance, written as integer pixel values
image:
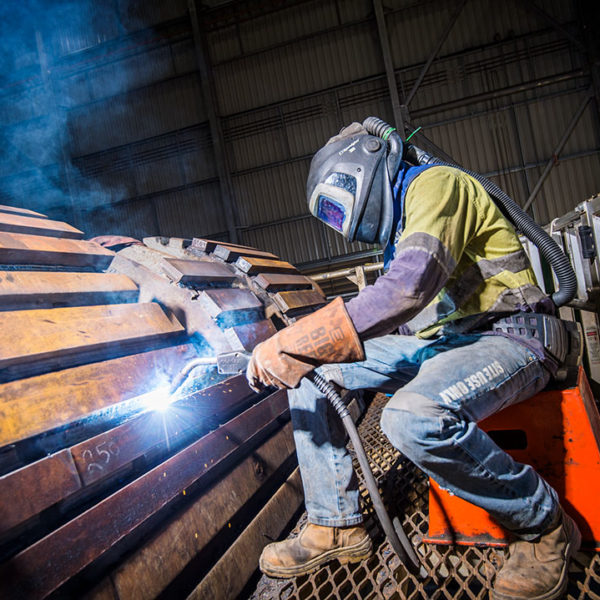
(104, 452)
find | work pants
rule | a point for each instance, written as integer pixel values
(441, 388)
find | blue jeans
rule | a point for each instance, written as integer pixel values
(441, 388)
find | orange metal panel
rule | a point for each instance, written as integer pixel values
(562, 433)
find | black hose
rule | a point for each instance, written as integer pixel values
(396, 535)
(567, 281)
(395, 143)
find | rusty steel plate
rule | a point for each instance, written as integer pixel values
(454, 572)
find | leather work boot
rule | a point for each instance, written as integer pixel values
(315, 546)
(538, 570)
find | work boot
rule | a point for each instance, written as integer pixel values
(538, 570)
(315, 546)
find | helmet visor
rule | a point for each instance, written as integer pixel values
(333, 201)
(332, 213)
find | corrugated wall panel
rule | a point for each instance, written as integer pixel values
(356, 10)
(362, 100)
(104, 188)
(414, 30)
(163, 162)
(291, 130)
(286, 81)
(298, 241)
(134, 219)
(131, 73)
(288, 24)
(196, 153)
(73, 90)
(38, 187)
(184, 57)
(293, 22)
(569, 183)
(485, 143)
(512, 63)
(338, 246)
(289, 71)
(196, 211)
(144, 113)
(543, 124)
(309, 123)
(224, 44)
(78, 26)
(271, 194)
(255, 139)
(158, 175)
(140, 14)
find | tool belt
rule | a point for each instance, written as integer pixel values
(561, 339)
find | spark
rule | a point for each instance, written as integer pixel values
(163, 400)
(159, 399)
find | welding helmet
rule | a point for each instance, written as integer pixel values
(349, 185)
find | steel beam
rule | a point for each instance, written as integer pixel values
(210, 101)
(390, 73)
(350, 272)
(505, 91)
(336, 260)
(555, 154)
(435, 51)
(429, 145)
(400, 109)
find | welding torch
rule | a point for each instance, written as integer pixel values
(227, 363)
(231, 363)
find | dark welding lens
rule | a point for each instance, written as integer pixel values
(331, 212)
(343, 181)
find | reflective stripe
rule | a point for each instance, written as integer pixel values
(513, 262)
(432, 246)
(526, 295)
(468, 283)
(475, 275)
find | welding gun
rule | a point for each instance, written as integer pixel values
(228, 363)
(232, 363)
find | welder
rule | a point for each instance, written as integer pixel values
(432, 332)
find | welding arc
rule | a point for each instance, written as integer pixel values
(394, 532)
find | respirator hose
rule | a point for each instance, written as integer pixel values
(394, 532)
(385, 131)
(567, 281)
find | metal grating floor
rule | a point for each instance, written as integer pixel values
(454, 572)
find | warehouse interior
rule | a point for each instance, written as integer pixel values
(190, 125)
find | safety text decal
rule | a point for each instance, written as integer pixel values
(478, 379)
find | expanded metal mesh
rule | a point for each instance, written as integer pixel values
(453, 572)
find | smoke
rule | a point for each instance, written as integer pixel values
(45, 48)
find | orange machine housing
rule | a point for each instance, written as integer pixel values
(558, 433)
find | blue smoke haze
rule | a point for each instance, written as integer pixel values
(43, 47)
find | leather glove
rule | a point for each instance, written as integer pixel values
(325, 336)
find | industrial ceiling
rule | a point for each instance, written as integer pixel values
(188, 118)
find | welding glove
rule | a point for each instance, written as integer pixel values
(325, 336)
